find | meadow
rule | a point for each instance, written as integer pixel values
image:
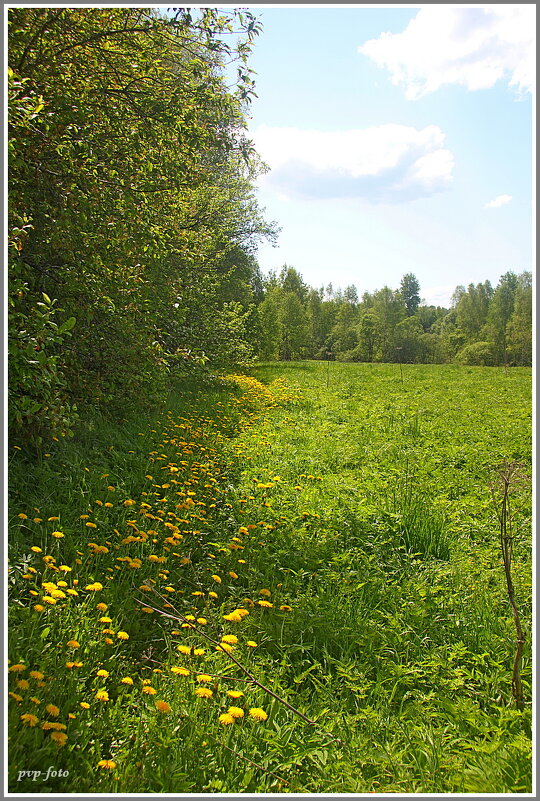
(283, 582)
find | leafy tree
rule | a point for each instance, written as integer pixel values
(410, 292)
(519, 328)
(294, 327)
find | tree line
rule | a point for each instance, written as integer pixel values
(133, 227)
(484, 325)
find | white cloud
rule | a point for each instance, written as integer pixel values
(473, 47)
(500, 200)
(387, 163)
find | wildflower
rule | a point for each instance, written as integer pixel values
(258, 714)
(22, 516)
(285, 608)
(36, 549)
(102, 695)
(184, 649)
(265, 592)
(198, 593)
(103, 673)
(107, 641)
(265, 604)
(51, 519)
(251, 644)
(23, 684)
(126, 680)
(102, 607)
(57, 594)
(38, 608)
(52, 710)
(236, 712)
(73, 644)
(230, 638)
(95, 587)
(57, 535)
(212, 594)
(199, 651)
(232, 574)
(180, 671)
(226, 719)
(162, 706)
(29, 720)
(149, 690)
(107, 764)
(203, 692)
(59, 737)
(224, 646)
(217, 579)
(235, 694)
(84, 705)
(105, 619)
(48, 726)
(16, 668)
(203, 677)
(123, 635)
(15, 697)
(35, 700)
(202, 621)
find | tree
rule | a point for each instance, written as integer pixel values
(410, 289)
(500, 312)
(519, 327)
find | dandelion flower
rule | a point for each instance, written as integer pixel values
(230, 638)
(265, 592)
(251, 644)
(107, 641)
(123, 635)
(36, 549)
(15, 697)
(23, 684)
(29, 720)
(265, 604)
(199, 652)
(149, 690)
(204, 678)
(35, 700)
(52, 710)
(203, 692)
(236, 712)
(224, 646)
(184, 649)
(16, 668)
(102, 607)
(162, 706)
(126, 680)
(73, 644)
(226, 719)
(102, 695)
(180, 671)
(103, 673)
(84, 705)
(48, 726)
(213, 594)
(258, 714)
(235, 694)
(57, 535)
(202, 621)
(285, 608)
(95, 587)
(38, 608)
(107, 764)
(217, 579)
(232, 574)
(59, 737)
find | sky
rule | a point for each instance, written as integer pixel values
(399, 140)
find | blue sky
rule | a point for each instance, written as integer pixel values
(385, 159)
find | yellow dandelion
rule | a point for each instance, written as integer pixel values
(217, 579)
(265, 604)
(258, 714)
(73, 644)
(232, 639)
(35, 700)
(102, 607)
(107, 641)
(38, 608)
(57, 535)
(123, 635)
(22, 684)
(202, 621)
(180, 671)
(199, 651)
(16, 668)
(149, 690)
(84, 705)
(235, 694)
(102, 695)
(251, 644)
(107, 764)
(232, 574)
(36, 549)
(52, 710)
(236, 712)
(162, 706)
(204, 677)
(213, 594)
(285, 608)
(22, 516)
(226, 719)
(126, 680)
(59, 737)
(265, 592)
(203, 692)
(29, 720)
(103, 673)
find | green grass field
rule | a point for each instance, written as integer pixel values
(289, 582)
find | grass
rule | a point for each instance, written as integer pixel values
(349, 514)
